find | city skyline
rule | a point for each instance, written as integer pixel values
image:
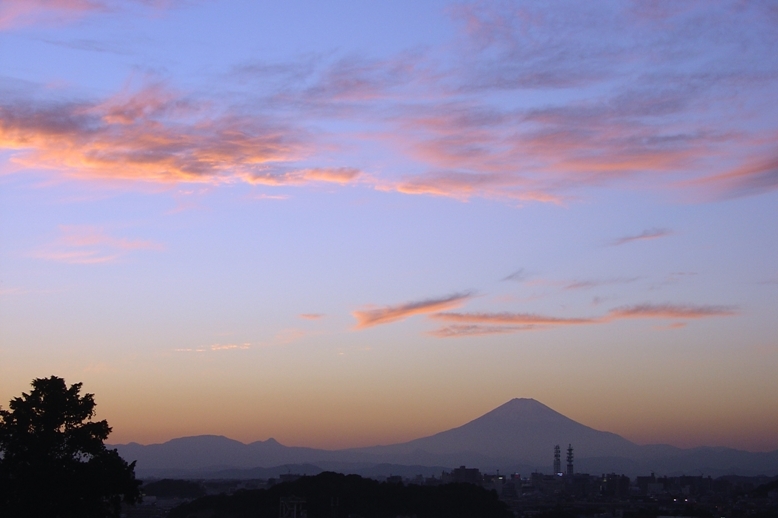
(353, 224)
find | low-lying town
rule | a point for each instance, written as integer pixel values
(562, 493)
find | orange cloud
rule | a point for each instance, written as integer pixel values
(311, 316)
(512, 318)
(387, 314)
(463, 186)
(750, 179)
(456, 331)
(90, 245)
(342, 176)
(476, 324)
(670, 311)
(157, 135)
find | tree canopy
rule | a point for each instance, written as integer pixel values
(335, 494)
(53, 460)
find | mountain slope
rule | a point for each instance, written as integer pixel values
(522, 430)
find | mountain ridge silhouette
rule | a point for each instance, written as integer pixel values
(517, 435)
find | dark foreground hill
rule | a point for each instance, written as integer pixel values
(333, 494)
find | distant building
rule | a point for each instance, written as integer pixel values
(292, 507)
(557, 460)
(467, 475)
(570, 470)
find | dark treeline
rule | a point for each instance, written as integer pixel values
(333, 495)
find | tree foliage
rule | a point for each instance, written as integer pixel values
(53, 462)
(334, 494)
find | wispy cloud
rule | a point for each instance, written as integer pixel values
(652, 233)
(457, 331)
(87, 244)
(594, 283)
(21, 13)
(311, 316)
(648, 129)
(387, 314)
(673, 325)
(341, 176)
(512, 318)
(214, 348)
(519, 275)
(462, 186)
(15, 13)
(474, 324)
(670, 311)
(742, 181)
(278, 197)
(229, 347)
(90, 45)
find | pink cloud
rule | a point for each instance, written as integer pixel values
(21, 13)
(271, 197)
(157, 135)
(456, 331)
(311, 316)
(463, 186)
(387, 314)
(745, 180)
(670, 311)
(464, 128)
(648, 130)
(476, 324)
(90, 245)
(341, 176)
(539, 155)
(512, 318)
(14, 13)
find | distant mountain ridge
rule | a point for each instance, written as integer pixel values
(516, 436)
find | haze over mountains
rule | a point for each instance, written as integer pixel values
(518, 436)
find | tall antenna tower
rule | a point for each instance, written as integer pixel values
(557, 461)
(570, 460)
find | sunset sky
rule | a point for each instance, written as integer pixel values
(349, 223)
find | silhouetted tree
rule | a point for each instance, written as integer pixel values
(53, 462)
